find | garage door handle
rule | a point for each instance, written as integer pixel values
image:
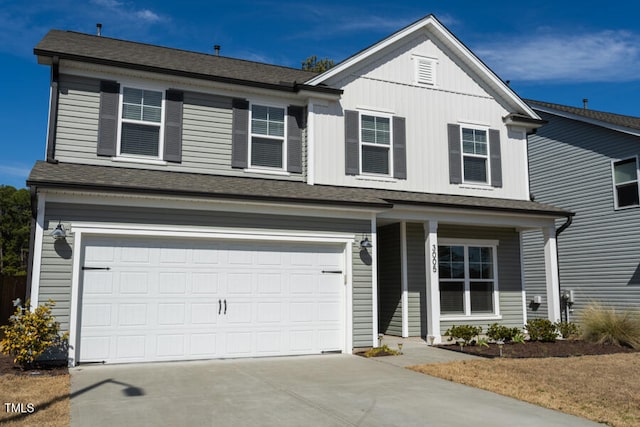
(225, 306)
(219, 306)
(332, 271)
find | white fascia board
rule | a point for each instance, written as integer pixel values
(567, 115)
(432, 24)
(152, 201)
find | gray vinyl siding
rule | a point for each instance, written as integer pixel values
(509, 274)
(389, 280)
(206, 137)
(599, 254)
(56, 267)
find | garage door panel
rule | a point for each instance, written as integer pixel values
(277, 299)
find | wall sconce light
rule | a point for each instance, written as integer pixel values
(365, 243)
(59, 233)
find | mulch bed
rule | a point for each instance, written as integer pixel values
(536, 349)
(7, 367)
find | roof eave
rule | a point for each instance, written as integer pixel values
(292, 87)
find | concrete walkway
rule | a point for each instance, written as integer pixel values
(328, 390)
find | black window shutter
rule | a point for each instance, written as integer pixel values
(352, 142)
(108, 118)
(173, 126)
(399, 148)
(240, 134)
(455, 161)
(295, 124)
(495, 158)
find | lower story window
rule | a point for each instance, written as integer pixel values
(467, 279)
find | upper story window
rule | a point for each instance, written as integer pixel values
(625, 180)
(475, 155)
(267, 147)
(467, 276)
(375, 140)
(141, 127)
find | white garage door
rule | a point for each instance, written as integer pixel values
(149, 299)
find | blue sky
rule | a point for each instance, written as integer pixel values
(555, 51)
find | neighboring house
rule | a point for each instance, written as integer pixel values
(587, 161)
(214, 207)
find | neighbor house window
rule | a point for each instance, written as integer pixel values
(625, 179)
(375, 144)
(141, 122)
(475, 155)
(267, 136)
(467, 279)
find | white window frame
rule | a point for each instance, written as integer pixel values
(361, 143)
(138, 157)
(466, 243)
(486, 157)
(418, 77)
(283, 138)
(615, 185)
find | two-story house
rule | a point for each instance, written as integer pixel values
(587, 161)
(195, 206)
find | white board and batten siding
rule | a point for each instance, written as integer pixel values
(571, 167)
(387, 85)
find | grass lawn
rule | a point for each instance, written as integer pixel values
(602, 388)
(48, 394)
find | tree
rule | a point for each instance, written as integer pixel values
(15, 223)
(312, 63)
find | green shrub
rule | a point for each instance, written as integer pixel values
(541, 330)
(463, 332)
(498, 332)
(568, 330)
(30, 333)
(607, 326)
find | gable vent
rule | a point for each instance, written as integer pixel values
(425, 71)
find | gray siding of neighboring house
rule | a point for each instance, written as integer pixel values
(599, 254)
(389, 280)
(206, 132)
(56, 268)
(509, 274)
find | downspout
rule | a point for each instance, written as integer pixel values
(32, 239)
(53, 110)
(558, 231)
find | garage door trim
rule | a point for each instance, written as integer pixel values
(81, 230)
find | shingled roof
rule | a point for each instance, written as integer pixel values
(121, 53)
(118, 179)
(630, 122)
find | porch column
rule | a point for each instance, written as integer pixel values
(551, 272)
(433, 286)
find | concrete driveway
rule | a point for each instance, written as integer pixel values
(329, 390)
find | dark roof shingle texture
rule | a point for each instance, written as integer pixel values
(611, 118)
(119, 179)
(85, 47)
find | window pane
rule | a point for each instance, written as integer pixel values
(627, 194)
(475, 169)
(260, 126)
(267, 120)
(266, 152)
(457, 253)
(375, 130)
(481, 297)
(151, 114)
(132, 96)
(131, 112)
(452, 297)
(152, 98)
(140, 139)
(375, 159)
(625, 171)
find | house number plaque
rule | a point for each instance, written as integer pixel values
(434, 258)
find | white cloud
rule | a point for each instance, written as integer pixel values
(127, 10)
(591, 57)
